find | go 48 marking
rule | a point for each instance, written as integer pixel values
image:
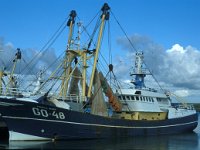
(45, 113)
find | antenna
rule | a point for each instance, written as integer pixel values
(78, 38)
(139, 72)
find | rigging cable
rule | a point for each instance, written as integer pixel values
(85, 27)
(115, 79)
(124, 32)
(93, 33)
(56, 81)
(135, 49)
(50, 42)
(47, 68)
(9, 66)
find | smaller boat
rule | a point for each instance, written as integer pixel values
(85, 114)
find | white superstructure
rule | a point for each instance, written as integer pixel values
(143, 100)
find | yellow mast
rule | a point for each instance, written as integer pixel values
(104, 16)
(11, 78)
(68, 60)
(84, 74)
(1, 77)
(17, 56)
(2, 73)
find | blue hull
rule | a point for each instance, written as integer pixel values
(57, 123)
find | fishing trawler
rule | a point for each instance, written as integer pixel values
(85, 114)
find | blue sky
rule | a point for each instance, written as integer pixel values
(169, 28)
(29, 23)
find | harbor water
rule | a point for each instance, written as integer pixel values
(186, 141)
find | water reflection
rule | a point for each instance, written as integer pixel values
(165, 142)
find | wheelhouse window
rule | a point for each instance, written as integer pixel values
(163, 100)
(137, 92)
(132, 98)
(137, 98)
(145, 99)
(128, 97)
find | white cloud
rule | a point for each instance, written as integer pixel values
(27, 64)
(175, 68)
(182, 66)
(176, 48)
(27, 68)
(181, 93)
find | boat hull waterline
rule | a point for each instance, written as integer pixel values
(34, 121)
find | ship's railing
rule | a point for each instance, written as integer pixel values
(10, 91)
(189, 106)
(16, 92)
(73, 98)
(150, 89)
(181, 106)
